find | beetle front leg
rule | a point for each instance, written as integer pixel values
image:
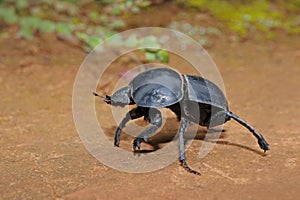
(132, 114)
(154, 117)
(184, 123)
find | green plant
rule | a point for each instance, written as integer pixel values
(63, 17)
(200, 33)
(150, 45)
(245, 18)
(8, 15)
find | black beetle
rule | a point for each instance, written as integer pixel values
(191, 98)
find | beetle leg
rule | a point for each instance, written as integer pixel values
(132, 114)
(263, 144)
(184, 123)
(154, 117)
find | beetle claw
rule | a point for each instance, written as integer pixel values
(263, 144)
(137, 143)
(187, 167)
(117, 144)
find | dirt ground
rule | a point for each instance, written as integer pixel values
(42, 156)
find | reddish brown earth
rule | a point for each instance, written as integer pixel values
(42, 156)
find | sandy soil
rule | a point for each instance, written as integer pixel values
(42, 156)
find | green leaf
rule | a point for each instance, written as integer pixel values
(117, 24)
(93, 41)
(117, 9)
(150, 42)
(144, 3)
(30, 22)
(150, 56)
(21, 4)
(132, 41)
(103, 18)
(108, 1)
(115, 40)
(162, 56)
(94, 16)
(26, 32)
(27, 27)
(8, 15)
(46, 26)
(64, 28)
(82, 36)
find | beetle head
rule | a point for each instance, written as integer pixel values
(119, 98)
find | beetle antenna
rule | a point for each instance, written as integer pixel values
(106, 98)
(97, 95)
(261, 140)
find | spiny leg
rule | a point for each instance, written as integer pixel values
(153, 116)
(182, 129)
(132, 114)
(261, 140)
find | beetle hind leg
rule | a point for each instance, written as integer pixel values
(263, 144)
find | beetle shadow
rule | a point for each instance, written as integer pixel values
(168, 134)
(194, 132)
(166, 137)
(223, 142)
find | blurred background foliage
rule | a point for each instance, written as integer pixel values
(86, 23)
(87, 20)
(245, 17)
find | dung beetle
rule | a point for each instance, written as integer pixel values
(192, 98)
